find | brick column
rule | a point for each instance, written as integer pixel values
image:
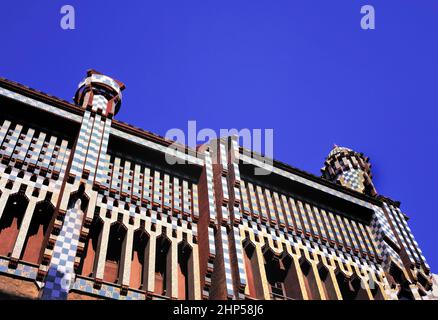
(149, 265)
(102, 249)
(172, 270)
(127, 255)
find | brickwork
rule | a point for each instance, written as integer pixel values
(17, 289)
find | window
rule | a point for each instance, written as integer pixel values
(37, 231)
(10, 222)
(162, 276)
(114, 252)
(139, 259)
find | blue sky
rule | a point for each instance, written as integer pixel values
(303, 68)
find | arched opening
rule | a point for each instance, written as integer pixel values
(281, 275)
(10, 222)
(138, 259)
(114, 252)
(162, 258)
(37, 230)
(75, 196)
(292, 284)
(88, 260)
(376, 291)
(327, 283)
(309, 279)
(275, 274)
(252, 269)
(185, 277)
(424, 281)
(351, 287)
(347, 290)
(396, 276)
(405, 293)
(361, 293)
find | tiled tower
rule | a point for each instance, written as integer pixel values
(399, 248)
(92, 208)
(100, 96)
(350, 169)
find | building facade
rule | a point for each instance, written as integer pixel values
(93, 208)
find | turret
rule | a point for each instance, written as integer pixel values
(349, 169)
(100, 93)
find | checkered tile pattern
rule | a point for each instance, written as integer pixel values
(61, 269)
(106, 291)
(11, 140)
(99, 103)
(210, 189)
(402, 235)
(261, 201)
(381, 229)
(82, 145)
(240, 257)
(227, 263)
(244, 197)
(91, 147)
(307, 211)
(254, 204)
(296, 214)
(381, 225)
(314, 210)
(350, 169)
(224, 187)
(353, 179)
(305, 219)
(142, 184)
(311, 246)
(22, 270)
(223, 156)
(271, 208)
(246, 159)
(210, 262)
(236, 209)
(187, 201)
(4, 130)
(100, 78)
(32, 149)
(195, 202)
(405, 234)
(285, 205)
(314, 222)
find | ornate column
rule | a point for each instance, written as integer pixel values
(102, 247)
(149, 266)
(61, 271)
(100, 96)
